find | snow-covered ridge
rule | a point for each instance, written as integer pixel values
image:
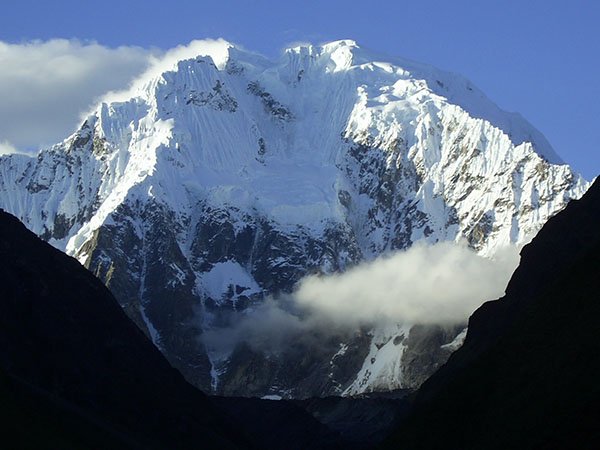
(237, 175)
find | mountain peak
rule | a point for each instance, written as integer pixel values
(326, 46)
(322, 61)
(225, 178)
(335, 55)
(341, 43)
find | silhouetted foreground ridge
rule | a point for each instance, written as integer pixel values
(527, 375)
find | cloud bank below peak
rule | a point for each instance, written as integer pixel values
(426, 284)
(438, 284)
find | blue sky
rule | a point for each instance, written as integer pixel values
(540, 58)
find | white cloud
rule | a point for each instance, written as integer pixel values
(267, 327)
(427, 284)
(6, 148)
(45, 85)
(217, 49)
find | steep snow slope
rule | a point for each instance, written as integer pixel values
(227, 179)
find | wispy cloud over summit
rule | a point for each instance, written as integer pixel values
(45, 85)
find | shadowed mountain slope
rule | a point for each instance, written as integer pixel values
(527, 375)
(75, 372)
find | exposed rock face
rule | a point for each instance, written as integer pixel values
(427, 348)
(220, 183)
(527, 374)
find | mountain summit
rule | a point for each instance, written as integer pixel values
(224, 178)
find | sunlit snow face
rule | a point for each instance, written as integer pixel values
(216, 49)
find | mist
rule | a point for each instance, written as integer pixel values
(267, 327)
(439, 284)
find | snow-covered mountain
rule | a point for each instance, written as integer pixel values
(229, 177)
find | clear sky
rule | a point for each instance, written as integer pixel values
(539, 58)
